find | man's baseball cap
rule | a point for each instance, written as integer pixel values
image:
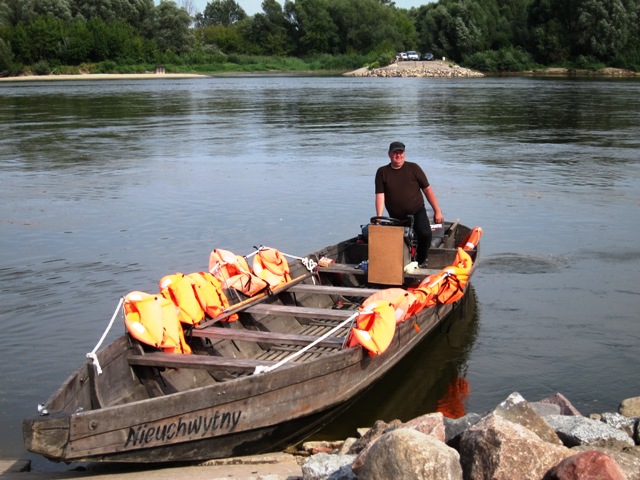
(396, 146)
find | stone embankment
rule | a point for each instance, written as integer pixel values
(545, 440)
(437, 68)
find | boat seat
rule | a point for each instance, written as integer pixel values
(174, 360)
(264, 337)
(333, 290)
(300, 312)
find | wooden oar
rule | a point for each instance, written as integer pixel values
(236, 307)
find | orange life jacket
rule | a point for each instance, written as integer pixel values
(471, 240)
(375, 327)
(403, 302)
(208, 290)
(153, 320)
(179, 289)
(448, 285)
(233, 271)
(270, 265)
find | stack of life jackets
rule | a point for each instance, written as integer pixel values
(157, 320)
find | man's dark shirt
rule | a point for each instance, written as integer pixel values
(402, 188)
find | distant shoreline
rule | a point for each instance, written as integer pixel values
(102, 76)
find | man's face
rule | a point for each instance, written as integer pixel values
(397, 158)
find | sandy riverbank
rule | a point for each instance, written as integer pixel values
(279, 466)
(102, 76)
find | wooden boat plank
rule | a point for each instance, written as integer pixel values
(302, 312)
(174, 360)
(332, 290)
(265, 337)
(260, 297)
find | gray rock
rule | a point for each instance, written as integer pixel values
(406, 454)
(566, 407)
(544, 409)
(326, 466)
(371, 435)
(626, 424)
(574, 431)
(497, 449)
(517, 410)
(455, 427)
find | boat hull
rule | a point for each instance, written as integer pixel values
(151, 414)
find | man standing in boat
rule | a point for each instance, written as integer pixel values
(399, 188)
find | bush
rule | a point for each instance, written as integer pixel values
(509, 59)
(108, 66)
(586, 63)
(42, 68)
(6, 57)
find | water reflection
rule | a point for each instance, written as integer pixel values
(431, 378)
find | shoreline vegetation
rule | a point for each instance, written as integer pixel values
(436, 69)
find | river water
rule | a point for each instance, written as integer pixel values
(106, 186)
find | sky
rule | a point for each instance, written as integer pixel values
(254, 6)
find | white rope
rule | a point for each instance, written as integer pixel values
(92, 355)
(264, 369)
(309, 263)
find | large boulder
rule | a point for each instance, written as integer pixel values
(566, 407)
(517, 410)
(455, 427)
(498, 449)
(326, 466)
(589, 465)
(406, 454)
(630, 407)
(574, 431)
(628, 460)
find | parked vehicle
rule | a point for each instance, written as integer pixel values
(402, 56)
(413, 55)
(428, 56)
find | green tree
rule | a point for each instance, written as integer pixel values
(134, 12)
(28, 10)
(226, 39)
(76, 43)
(363, 25)
(221, 12)
(270, 31)
(6, 56)
(170, 28)
(315, 30)
(604, 27)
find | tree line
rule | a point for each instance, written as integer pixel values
(491, 35)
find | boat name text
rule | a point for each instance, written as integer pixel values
(199, 426)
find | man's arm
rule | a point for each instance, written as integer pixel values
(433, 201)
(379, 204)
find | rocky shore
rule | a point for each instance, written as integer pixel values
(547, 439)
(436, 68)
(544, 440)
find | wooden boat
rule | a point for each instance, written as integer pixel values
(148, 406)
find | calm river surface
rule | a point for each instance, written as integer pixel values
(106, 186)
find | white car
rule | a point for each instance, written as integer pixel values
(402, 56)
(413, 55)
